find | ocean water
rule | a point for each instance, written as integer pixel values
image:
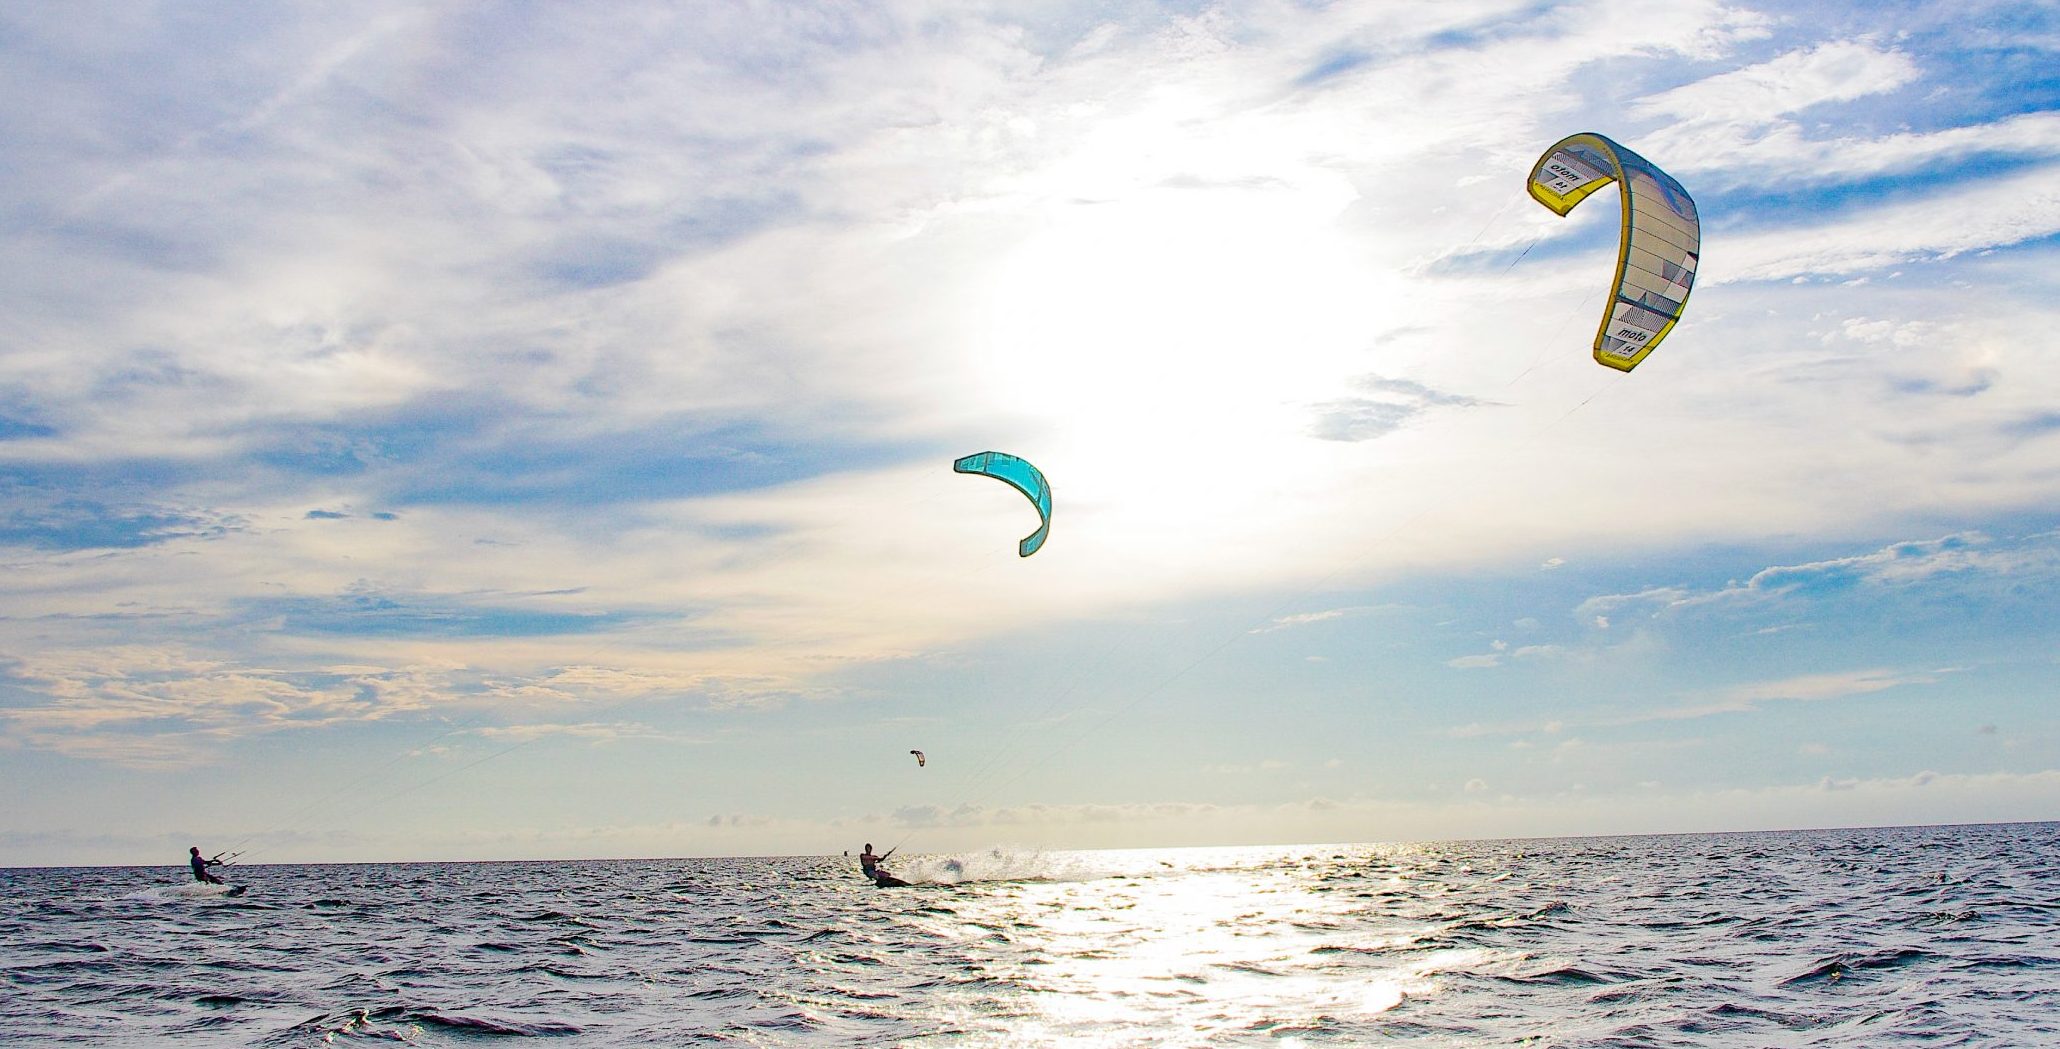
(1936, 936)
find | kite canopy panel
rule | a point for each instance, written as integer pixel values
(1657, 250)
(1023, 477)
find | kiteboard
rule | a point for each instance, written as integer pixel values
(203, 890)
(889, 881)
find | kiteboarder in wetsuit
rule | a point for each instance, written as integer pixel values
(200, 866)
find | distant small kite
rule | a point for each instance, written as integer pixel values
(920, 759)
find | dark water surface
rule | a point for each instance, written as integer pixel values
(1938, 936)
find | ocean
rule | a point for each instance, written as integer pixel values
(1932, 936)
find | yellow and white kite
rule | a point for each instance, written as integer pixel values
(1656, 252)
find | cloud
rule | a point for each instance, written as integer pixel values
(735, 820)
(1739, 129)
(167, 706)
(1810, 687)
(1907, 562)
(1478, 730)
(1049, 815)
(1390, 404)
(1964, 556)
(367, 611)
(1938, 225)
(585, 684)
(1301, 619)
(1731, 699)
(1804, 688)
(172, 706)
(1835, 71)
(591, 732)
(1783, 156)
(1503, 652)
(1250, 768)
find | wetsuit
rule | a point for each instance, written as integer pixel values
(200, 866)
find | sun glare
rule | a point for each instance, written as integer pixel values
(1178, 335)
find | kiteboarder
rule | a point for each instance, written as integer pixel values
(869, 865)
(201, 864)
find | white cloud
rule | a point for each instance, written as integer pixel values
(1831, 72)
(1299, 619)
(1249, 768)
(1973, 556)
(591, 732)
(1806, 688)
(1743, 126)
(1503, 652)
(166, 706)
(1936, 225)
(1736, 154)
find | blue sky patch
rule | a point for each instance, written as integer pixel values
(80, 524)
(1334, 66)
(16, 429)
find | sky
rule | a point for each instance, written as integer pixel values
(502, 430)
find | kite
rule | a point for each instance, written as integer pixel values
(1021, 476)
(1657, 250)
(920, 760)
